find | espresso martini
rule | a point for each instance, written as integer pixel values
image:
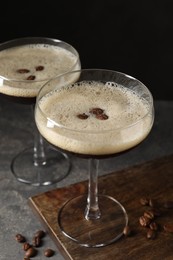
(94, 118)
(100, 113)
(26, 64)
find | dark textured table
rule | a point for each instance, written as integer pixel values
(16, 128)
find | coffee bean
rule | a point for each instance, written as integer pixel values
(40, 233)
(31, 252)
(168, 228)
(149, 214)
(144, 221)
(20, 238)
(31, 77)
(36, 241)
(151, 234)
(96, 111)
(153, 226)
(82, 116)
(49, 252)
(127, 231)
(26, 246)
(39, 68)
(22, 71)
(102, 117)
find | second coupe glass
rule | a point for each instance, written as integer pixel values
(26, 64)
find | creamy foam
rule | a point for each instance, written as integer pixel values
(128, 123)
(55, 60)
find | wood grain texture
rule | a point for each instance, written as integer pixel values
(152, 179)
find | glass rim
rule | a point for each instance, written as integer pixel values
(150, 102)
(34, 38)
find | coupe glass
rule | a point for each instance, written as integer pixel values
(97, 114)
(26, 64)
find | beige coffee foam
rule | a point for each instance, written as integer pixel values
(55, 60)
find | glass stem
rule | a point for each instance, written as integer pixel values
(92, 210)
(39, 156)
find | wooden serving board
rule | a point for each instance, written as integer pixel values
(152, 179)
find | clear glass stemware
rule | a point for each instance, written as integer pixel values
(95, 114)
(26, 64)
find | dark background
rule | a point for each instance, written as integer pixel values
(134, 37)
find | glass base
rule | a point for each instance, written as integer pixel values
(93, 233)
(56, 168)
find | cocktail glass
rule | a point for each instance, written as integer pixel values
(26, 64)
(102, 113)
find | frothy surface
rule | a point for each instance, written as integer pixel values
(55, 60)
(126, 125)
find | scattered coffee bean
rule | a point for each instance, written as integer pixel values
(168, 228)
(149, 214)
(82, 116)
(30, 249)
(20, 238)
(144, 201)
(144, 221)
(127, 231)
(49, 252)
(40, 233)
(155, 210)
(31, 77)
(153, 226)
(39, 68)
(31, 252)
(36, 241)
(26, 246)
(168, 205)
(151, 234)
(22, 71)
